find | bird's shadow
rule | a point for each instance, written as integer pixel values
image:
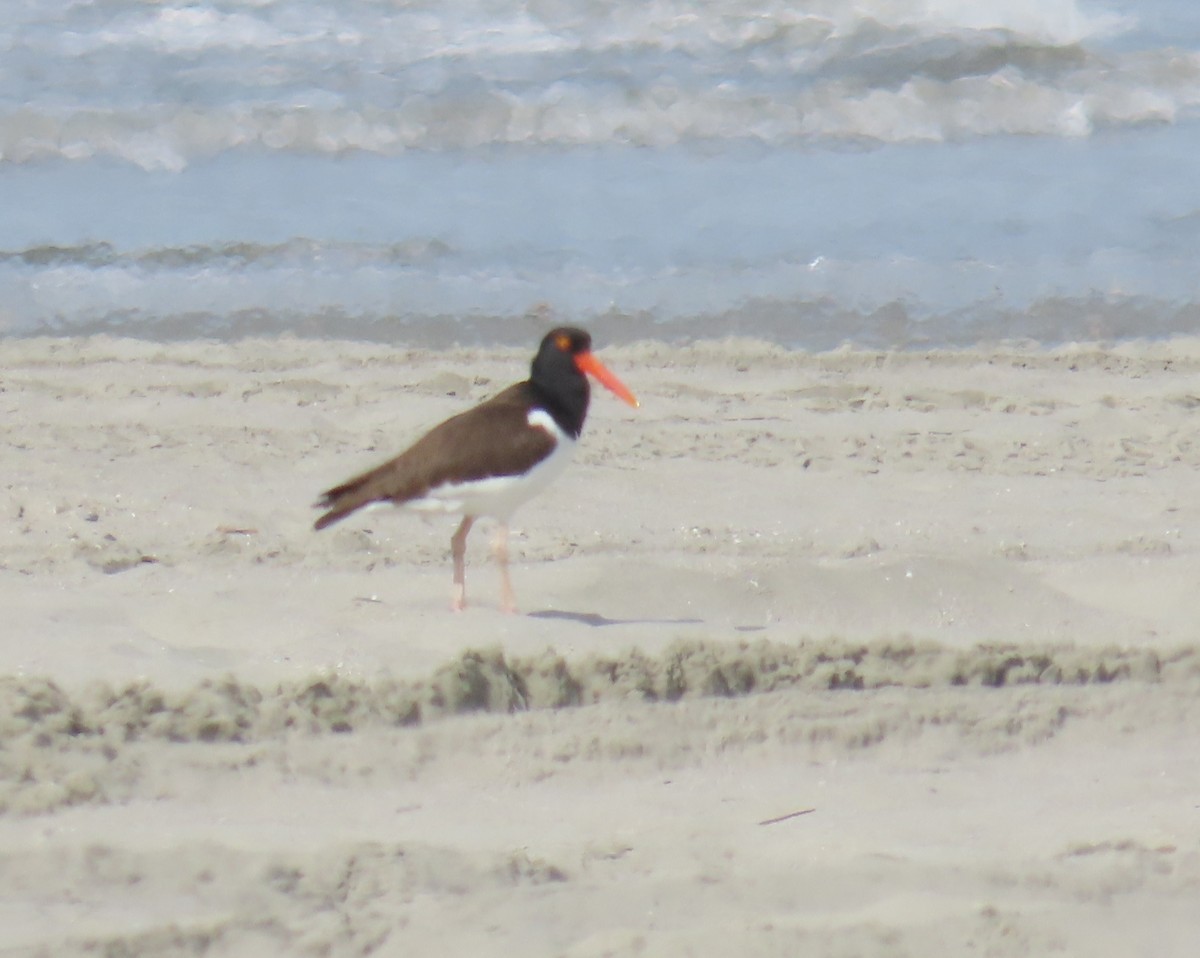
(596, 620)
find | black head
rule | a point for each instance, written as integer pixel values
(567, 340)
(559, 375)
(561, 385)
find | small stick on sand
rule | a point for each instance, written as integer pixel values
(784, 818)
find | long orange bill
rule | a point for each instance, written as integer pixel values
(587, 363)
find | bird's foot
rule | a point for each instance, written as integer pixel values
(508, 598)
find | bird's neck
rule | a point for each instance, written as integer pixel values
(566, 402)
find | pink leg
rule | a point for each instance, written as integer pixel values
(508, 600)
(458, 549)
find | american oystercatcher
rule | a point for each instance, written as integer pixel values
(489, 460)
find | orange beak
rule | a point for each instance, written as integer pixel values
(587, 363)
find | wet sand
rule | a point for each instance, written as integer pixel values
(849, 652)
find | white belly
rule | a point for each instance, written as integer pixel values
(499, 497)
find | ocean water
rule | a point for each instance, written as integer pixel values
(877, 172)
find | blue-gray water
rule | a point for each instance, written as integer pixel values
(880, 173)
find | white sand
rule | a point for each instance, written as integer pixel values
(219, 762)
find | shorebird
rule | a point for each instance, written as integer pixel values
(492, 458)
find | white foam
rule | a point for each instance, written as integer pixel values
(464, 74)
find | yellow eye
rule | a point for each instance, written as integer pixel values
(563, 342)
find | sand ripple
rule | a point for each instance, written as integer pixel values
(62, 748)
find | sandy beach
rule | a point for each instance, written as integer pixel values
(849, 653)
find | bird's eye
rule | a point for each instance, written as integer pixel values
(563, 342)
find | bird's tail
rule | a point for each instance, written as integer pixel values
(342, 500)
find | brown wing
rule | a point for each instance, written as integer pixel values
(493, 439)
